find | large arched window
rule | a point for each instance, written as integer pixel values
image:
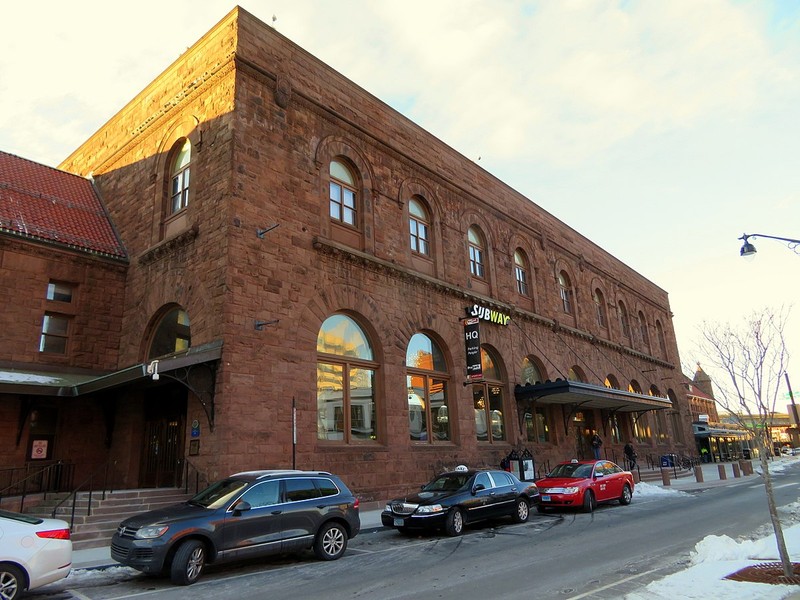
(343, 197)
(565, 290)
(346, 404)
(531, 372)
(623, 320)
(488, 401)
(600, 308)
(426, 379)
(419, 223)
(521, 272)
(575, 373)
(611, 382)
(172, 334)
(179, 187)
(477, 253)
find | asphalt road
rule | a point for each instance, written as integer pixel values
(564, 555)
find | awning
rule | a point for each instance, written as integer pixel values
(586, 395)
(66, 384)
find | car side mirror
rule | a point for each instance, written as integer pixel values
(241, 507)
(478, 487)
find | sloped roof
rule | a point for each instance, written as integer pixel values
(38, 202)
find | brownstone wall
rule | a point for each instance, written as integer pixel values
(265, 127)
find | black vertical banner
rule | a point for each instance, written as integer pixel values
(472, 343)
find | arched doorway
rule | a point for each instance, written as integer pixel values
(164, 410)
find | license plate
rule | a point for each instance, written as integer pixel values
(399, 522)
(545, 498)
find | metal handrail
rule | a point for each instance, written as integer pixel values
(90, 481)
(52, 475)
(187, 465)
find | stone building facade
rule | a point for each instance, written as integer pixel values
(303, 264)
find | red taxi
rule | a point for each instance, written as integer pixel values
(584, 484)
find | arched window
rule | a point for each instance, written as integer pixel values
(611, 382)
(600, 308)
(488, 401)
(575, 373)
(565, 289)
(662, 342)
(477, 253)
(531, 373)
(521, 272)
(426, 379)
(346, 404)
(419, 223)
(179, 188)
(172, 334)
(643, 330)
(343, 197)
(623, 320)
(634, 387)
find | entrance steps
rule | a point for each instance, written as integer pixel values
(94, 523)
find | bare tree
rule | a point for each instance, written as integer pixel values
(754, 358)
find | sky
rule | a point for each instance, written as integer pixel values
(712, 559)
(661, 131)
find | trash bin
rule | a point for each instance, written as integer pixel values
(667, 460)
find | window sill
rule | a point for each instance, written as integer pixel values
(168, 246)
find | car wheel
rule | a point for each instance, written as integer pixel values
(588, 501)
(331, 542)
(12, 582)
(626, 495)
(454, 525)
(522, 511)
(188, 562)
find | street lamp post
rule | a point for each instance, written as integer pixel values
(749, 250)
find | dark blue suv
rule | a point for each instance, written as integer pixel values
(256, 513)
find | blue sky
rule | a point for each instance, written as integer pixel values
(661, 131)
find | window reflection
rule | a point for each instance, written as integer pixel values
(428, 409)
(346, 405)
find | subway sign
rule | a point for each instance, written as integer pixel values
(488, 314)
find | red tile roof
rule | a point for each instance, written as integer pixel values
(38, 202)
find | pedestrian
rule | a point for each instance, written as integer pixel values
(630, 455)
(596, 443)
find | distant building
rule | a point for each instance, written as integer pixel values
(272, 268)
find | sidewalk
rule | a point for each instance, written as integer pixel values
(95, 558)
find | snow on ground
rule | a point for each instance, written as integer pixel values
(714, 557)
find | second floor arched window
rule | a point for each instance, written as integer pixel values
(179, 186)
(565, 290)
(623, 320)
(600, 308)
(477, 253)
(343, 197)
(521, 272)
(419, 224)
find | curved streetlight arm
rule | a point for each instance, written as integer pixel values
(748, 249)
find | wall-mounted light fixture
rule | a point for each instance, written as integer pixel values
(259, 325)
(152, 370)
(262, 232)
(748, 250)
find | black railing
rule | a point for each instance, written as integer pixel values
(34, 478)
(193, 479)
(93, 485)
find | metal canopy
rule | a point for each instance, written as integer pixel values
(587, 395)
(42, 383)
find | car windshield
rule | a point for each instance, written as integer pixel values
(217, 494)
(573, 470)
(449, 482)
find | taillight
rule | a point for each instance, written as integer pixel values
(54, 534)
(356, 503)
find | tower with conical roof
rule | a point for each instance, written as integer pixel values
(703, 381)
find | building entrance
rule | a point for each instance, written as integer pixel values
(164, 425)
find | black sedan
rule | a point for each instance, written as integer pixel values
(459, 497)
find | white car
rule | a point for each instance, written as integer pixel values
(33, 553)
